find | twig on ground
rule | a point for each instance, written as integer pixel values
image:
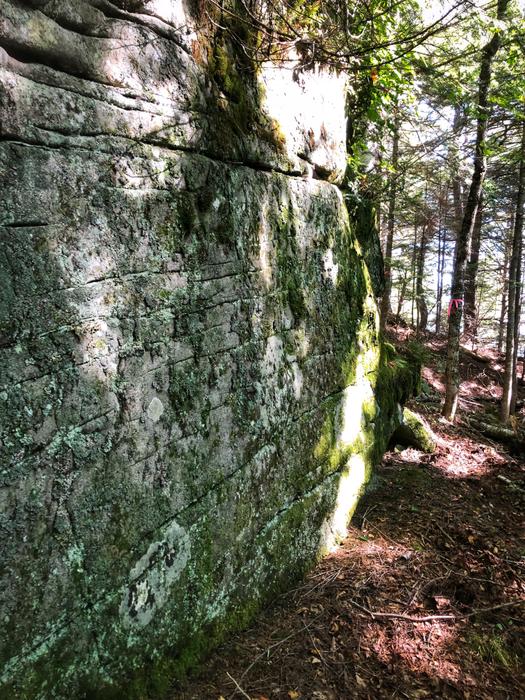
(428, 618)
(510, 604)
(374, 527)
(322, 584)
(238, 687)
(423, 587)
(400, 616)
(274, 646)
(327, 578)
(512, 561)
(367, 511)
(445, 533)
(317, 650)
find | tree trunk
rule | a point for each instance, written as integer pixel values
(471, 273)
(391, 217)
(452, 377)
(517, 326)
(402, 293)
(413, 275)
(422, 309)
(514, 303)
(442, 240)
(505, 288)
(457, 198)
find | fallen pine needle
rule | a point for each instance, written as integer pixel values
(276, 644)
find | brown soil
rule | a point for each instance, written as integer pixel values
(425, 598)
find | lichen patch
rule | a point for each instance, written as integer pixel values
(153, 576)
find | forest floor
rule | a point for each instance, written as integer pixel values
(426, 597)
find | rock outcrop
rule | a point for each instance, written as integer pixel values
(192, 388)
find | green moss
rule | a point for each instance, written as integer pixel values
(365, 218)
(271, 549)
(290, 275)
(331, 455)
(493, 648)
(236, 103)
(187, 386)
(415, 352)
(239, 92)
(413, 431)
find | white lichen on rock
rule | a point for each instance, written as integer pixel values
(152, 577)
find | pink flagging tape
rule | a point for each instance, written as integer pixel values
(455, 304)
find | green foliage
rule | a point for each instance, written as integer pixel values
(494, 648)
(417, 352)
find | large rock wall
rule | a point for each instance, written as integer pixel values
(192, 391)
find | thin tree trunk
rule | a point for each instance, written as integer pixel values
(439, 290)
(471, 273)
(505, 288)
(402, 292)
(456, 181)
(442, 239)
(391, 218)
(517, 323)
(514, 293)
(452, 376)
(422, 309)
(519, 340)
(517, 327)
(413, 274)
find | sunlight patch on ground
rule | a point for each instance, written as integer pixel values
(433, 378)
(369, 550)
(460, 457)
(423, 648)
(409, 456)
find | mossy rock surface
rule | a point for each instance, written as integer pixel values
(193, 386)
(414, 432)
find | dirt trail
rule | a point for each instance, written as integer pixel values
(439, 537)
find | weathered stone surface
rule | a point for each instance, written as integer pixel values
(413, 431)
(192, 391)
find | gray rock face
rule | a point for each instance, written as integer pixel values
(190, 376)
